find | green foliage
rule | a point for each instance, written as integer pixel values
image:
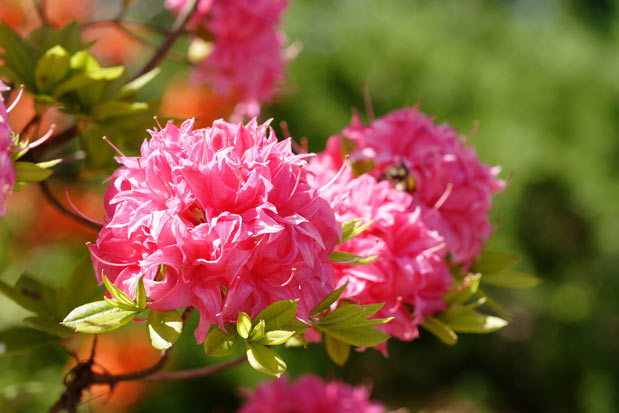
(352, 228)
(328, 300)
(98, 317)
(337, 350)
(244, 325)
(22, 339)
(441, 330)
(164, 328)
(219, 343)
(350, 258)
(265, 360)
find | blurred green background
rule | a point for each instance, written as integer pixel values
(542, 78)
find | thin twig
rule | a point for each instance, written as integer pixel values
(52, 199)
(195, 373)
(40, 6)
(177, 29)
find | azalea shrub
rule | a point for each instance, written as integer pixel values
(381, 233)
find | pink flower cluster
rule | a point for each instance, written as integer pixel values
(433, 214)
(247, 59)
(222, 219)
(7, 169)
(310, 394)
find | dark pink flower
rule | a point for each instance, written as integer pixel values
(452, 187)
(7, 168)
(247, 59)
(310, 394)
(220, 218)
(410, 275)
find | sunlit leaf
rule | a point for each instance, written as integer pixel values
(164, 328)
(265, 360)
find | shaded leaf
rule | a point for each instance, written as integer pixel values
(30, 172)
(22, 339)
(441, 330)
(219, 343)
(328, 300)
(337, 350)
(492, 262)
(51, 68)
(265, 360)
(49, 326)
(164, 328)
(511, 279)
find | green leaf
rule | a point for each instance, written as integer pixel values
(295, 325)
(455, 311)
(132, 87)
(19, 56)
(328, 300)
(362, 336)
(276, 337)
(265, 360)
(219, 343)
(474, 322)
(243, 325)
(48, 164)
(29, 172)
(118, 294)
(495, 305)
(164, 328)
(81, 80)
(49, 326)
(83, 61)
(277, 314)
(29, 303)
(350, 258)
(492, 262)
(347, 315)
(81, 286)
(440, 330)
(462, 291)
(257, 333)
(22, 339)
(140, 294)
(116, 108)
(98, 317)
(51, 68)
(511, 279)
(337, 350)
(46, 295)
(352, 228)
(69, 37)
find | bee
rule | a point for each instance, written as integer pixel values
(402, 179)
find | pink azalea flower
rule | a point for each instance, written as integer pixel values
(452, 188)
(7, 169)
(410, 275)
(309, 394)
(222, 219)
(247, 59)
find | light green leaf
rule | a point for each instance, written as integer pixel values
(98, 317)
(243, 325)
(51, 68)
(265, 360)
(116, 108)
(277, 314)
(456, 310)
(276, 337)
(362, 336)
(164, 328)
(257, 333)
(492, 262)
(132, 87)
(337, 350)
(140, 294)
(462, 291)
(350, 258)
(83, 61)
(219, 343)
(29, 172)
(48, 164)
(440, 330)
(474, 322)
(48, 326)
(348, 314)
(22, 339)
(295, 325)
(118, 294)
(352, 228)
(328, 300)
(83, 79)
(511, 279)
